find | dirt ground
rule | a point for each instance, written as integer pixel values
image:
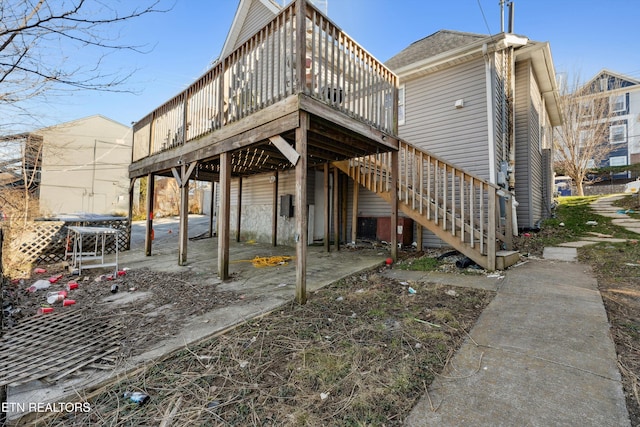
(146, 305)
(360, 352)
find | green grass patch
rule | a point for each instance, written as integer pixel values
(419, 264)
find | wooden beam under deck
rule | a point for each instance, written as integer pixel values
(332, 135)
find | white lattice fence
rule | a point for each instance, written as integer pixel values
(44, 242)
(35, 239)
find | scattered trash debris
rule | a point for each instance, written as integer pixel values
(526, 234)
(53, 297)
(244, 364)
(626, 211)
(72, 285)
(45, 310)
(340, 299)
(561, 224)
(114, 288)
(465, 262)
(271, 261)
(451, 293)
(360, 291)
(389, 261)
(213, 404)
(631, 264)
(426, 323)
(68, 302)
(39, 270)
(324, 396)
(411, 290)
(136, 397)
(39, 285)
(495, 276)
(55, 278)
(591, 223)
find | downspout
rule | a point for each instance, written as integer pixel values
(512, 119)
(511, 124)
(490, 115)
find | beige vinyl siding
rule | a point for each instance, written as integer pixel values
(257, 206)
(85, 167)
(257, 17)
(528, 168)
(432, 122)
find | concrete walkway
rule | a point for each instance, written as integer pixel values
(539, 355)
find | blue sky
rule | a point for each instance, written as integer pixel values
(585, 36)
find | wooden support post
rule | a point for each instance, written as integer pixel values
(419, 230)
(239, 212)
(132, 184)
(301, 209)
(223, 216)
(149, 209)
(182, 178)
(184, 217)
(344, 185)
(336, 210)
(212, 209)
(395, 166)
(274, 216)
(354, 213)
(327, 210)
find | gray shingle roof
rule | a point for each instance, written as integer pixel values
(436, 43)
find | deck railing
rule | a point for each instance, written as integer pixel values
(299, 51)
(462, 209)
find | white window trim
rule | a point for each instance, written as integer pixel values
(612, 103)
(611, 133)
(618, 161)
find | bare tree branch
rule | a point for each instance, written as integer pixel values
(37, 35)
(582, 143)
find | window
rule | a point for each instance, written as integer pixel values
(618, 103)
(591, 164)
(401, 105)
(617, 134)
(618, 161)
(586, 108)
(585, 136)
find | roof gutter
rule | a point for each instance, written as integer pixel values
(481, 47)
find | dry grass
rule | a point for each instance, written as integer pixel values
(361, 352)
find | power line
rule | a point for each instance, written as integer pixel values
(486, 23)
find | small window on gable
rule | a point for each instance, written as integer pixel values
(401, 105)
(618, 103)
(617, 134)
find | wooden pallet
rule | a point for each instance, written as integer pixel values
(51, 346)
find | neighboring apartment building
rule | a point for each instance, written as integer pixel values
(85, 167)
(623, 116)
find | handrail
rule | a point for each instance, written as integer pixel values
(461, 207)
(288, 56)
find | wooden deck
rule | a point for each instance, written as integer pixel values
(296, 95)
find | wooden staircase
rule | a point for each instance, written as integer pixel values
(461, 209)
